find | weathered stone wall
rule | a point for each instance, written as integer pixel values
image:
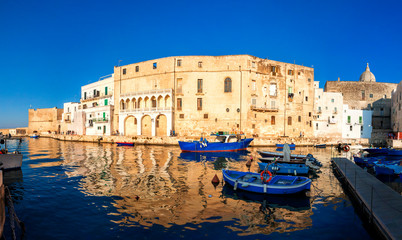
(249, 106)
(44, 120)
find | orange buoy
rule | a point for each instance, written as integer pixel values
(215, 179)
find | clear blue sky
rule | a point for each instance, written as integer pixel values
(49, 49)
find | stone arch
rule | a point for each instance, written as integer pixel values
(161, 102)
(128, 105)
(146, 125)
(140, 103)
(122, 105)
(168, 101)
(153, 102)
(130, 126)
(161, 125)
(133, 103)
(146, 102)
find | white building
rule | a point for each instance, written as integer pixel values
(356, 123)
(74, 118)
(328, 112)
(97, 104)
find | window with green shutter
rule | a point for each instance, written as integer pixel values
(105, 90)
(106, 102)
(360, 119)
(348, 119)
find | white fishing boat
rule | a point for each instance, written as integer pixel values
(9, 160)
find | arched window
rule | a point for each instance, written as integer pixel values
(228, 85)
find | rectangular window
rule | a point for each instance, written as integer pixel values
(273, 69)
(199, 86)
(361, 128)
(272, 89)
(351, 128)
(319, 109)
(360, 119)
(316, 126)
(273, 104)
(299, 118)
(253, 126)
(332, 100)
(253, 85)
(200, 64)
(306, 99)
(155, 65)
(371, 95)
(290, 90)
(179, 62)
(309, 79)
(206, 115)
(154, 103)
(309, 114)
(348, 119)
(85, 96)
(363, 95)
(199, 103)
(290, 72)
(124, 71)
(105, 90)
(137, 68)
(228, 85)
(272, 120)
(181, 115)
(289, 121)
(254, 102)
(253, 64)
(179, 104)
(179, 85)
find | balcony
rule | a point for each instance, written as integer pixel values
(97, 97)
(100, 120)
(147, 93)
(335, 112)
(264, 109)
(332, 121)
(149, 109)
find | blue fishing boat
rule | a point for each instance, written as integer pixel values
(223, 143)
(276, 154)
(320, 145)
(254, 182)
(376, 151)
(285, 168)
(367, 161)
(292, 145)
(394, 154)
(383, 170)
(125, 144)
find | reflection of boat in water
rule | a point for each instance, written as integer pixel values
(212, 156)
(130, 144)
(290, 202)
(12, 176)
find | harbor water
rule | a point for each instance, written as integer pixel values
(73, 190)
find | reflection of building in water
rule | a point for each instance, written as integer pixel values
(172, 191)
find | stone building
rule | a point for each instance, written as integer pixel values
(328, 113)
(44, 120)
(97, 103)
(190, 95)
(367, 94)
(396, 119)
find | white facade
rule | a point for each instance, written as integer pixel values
(138, 105)
(97, 103)
(356, 123)
(328, 109)
(74, 118)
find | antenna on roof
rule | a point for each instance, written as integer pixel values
(119, 62)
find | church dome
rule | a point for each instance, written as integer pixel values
(367, 76)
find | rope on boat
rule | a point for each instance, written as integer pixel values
(13, 216)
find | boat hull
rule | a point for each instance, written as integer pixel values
(197, 146)
(125, 144)
(285, 168)
(11, 161)
(278, 184)
(276, 154)
(383, 170)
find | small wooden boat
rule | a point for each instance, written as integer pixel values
(224, 143)
(276, 154)
(320, 145)
(125, 144)
(285, 168)
(253, 182)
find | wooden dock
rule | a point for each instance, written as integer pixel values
(379, 203)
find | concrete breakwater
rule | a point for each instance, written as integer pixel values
(173, 141)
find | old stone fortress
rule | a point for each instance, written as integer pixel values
(187, 96)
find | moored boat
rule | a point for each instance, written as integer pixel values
(280, 160)
(292, 145)
(320, 145)
(125, 144)
(376, 151)
(280, 154)
(223, 143)
(254, 182)
(34, 136)
(285, 168)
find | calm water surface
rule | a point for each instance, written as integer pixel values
(69, 190)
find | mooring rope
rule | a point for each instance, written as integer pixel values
(13, 216)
